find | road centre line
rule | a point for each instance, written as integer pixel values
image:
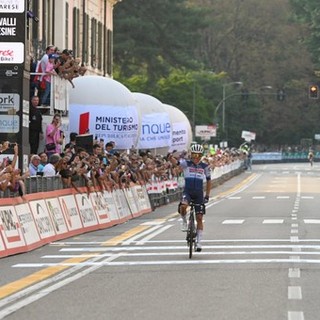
(294, 273)
(295, 315)
(294, 293)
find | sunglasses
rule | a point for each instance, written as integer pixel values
(196, 155)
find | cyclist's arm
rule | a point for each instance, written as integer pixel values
(208, 188)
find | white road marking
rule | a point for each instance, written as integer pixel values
(272, 221)
(183, 247)
(232, 221)
(56, 282)
(293, 231)
(295, 315)
(258, 197)
(307, 197)
(182, 253)
(294, 273)
(312, 221)
(234, 198)
(294, 225)
(151, 223)
(177, 262)
(294, 293)
(283, 197)
(141, 234)
(152, 235)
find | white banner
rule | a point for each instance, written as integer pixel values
(9, 102)
(155, 131)
(11, 6)
(10, 228)
(118, 124)
(179, 136)
(206, 131)
(11, 52)
(9, 124)
(248, 136)
(28, 225)
(86, 211)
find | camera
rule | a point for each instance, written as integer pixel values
(11, 145)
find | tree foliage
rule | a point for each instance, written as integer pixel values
(184, 51)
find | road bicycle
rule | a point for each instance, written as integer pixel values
(192, 230)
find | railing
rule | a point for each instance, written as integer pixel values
(59, 94)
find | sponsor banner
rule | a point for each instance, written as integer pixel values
(155, 131)
(206, 131)
(101, 208)
(179, 140)
(9, 103)
(141, 198)
(146, 198)
(121, 205)
(28, 226)
(11, 230)
(87, 214)
(113, 212)
(12, 27)
(248, 136)
(3, 251)
(118, 124)
(42, 219)
(12, 6)
(71, 214)
(9, 123)
(132, 202)
(57, 216)
(11, 52)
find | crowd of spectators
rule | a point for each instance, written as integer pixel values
(54, 63)
(104, 168)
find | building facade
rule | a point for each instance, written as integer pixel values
(83, 26)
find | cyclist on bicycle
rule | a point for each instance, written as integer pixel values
(310, 157)
(195, 172)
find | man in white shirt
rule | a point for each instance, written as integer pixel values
(49, 169)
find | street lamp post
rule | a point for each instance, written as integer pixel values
(224, 100)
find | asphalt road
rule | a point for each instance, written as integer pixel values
(260, 260)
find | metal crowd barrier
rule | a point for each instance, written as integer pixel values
(43, 184)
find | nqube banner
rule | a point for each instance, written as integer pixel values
(155, 131)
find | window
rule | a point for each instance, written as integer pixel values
(75, 33)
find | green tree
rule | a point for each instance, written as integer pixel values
(150, 37)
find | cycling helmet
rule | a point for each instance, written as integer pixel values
(196, 148)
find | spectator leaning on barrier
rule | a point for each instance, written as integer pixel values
(35, 125)
(50, 169)
(34, 164)
(43, 161)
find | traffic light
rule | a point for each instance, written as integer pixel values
(313, 91)
(281, 95)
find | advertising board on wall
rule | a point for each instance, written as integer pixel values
(118, 124)
(12, 51)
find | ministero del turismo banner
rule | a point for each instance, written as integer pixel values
(118, 124)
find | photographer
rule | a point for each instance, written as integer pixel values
(54, 136)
